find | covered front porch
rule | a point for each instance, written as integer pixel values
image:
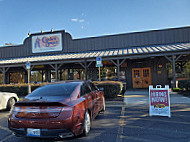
(137, 67)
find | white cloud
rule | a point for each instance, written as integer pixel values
(81, 20)
(74, 20)
(77, 20)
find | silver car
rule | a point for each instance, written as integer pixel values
(7, 100)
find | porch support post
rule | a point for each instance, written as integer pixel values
(173, 60)
(86, 71)
(118, 64)
(118, 69)
(56, 68)
(4, 70)
(60, 74)
(56, 72)
(4, 76)
(42, 76)
(173, 71)
(85, 66)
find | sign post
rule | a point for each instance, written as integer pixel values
(99, 64)
(159, 101)
(28, 65)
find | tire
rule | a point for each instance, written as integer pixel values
(104, 105)
(10, 103)
(87, 124)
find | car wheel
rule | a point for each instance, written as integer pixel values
(87, 124)
(104, 105)
(10, 103)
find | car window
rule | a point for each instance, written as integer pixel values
(85, 89)
(64, 90)
(92, 86)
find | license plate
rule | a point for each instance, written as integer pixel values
(33, 132)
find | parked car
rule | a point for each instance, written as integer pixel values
(7, 100)
(57, 110)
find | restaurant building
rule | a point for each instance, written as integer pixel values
(137, 59)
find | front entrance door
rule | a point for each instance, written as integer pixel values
(141, 77)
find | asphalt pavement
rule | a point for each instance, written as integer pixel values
(127, 121)
(104, 127)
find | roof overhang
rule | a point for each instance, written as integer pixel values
(123, 53)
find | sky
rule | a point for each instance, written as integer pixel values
(88, 18)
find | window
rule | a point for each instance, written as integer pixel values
(62, 90)
(85, 89)
(92, 86)
(146, 73)
(136, 73)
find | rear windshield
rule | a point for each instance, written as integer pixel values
(64, 90)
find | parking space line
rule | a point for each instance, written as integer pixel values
(121, 124)
(7, 137)
(4, 128)
(138, 139)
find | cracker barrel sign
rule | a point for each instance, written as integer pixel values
(47, 43)
(159, 101)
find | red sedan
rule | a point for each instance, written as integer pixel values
(57, 110)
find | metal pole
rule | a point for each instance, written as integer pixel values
(29, 87)
(99, 75)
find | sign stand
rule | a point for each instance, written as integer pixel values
(159, 101)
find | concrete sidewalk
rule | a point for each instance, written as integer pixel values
(141, 97)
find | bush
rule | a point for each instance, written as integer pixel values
(111, 88)
(20, 90)
(184, 84)
(176, 89)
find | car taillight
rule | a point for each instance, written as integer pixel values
(39, 112)
(40, 109)
(66, 108)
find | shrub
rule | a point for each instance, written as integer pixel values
(184, 84)
(176, 89)
(111, 88)
(20, 90)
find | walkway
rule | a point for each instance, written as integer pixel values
(141, 97)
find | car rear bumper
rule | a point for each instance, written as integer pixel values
(44, 133)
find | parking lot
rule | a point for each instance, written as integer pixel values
(127, 121)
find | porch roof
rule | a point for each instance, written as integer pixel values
(123, 52)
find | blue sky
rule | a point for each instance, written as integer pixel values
(89, 18)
